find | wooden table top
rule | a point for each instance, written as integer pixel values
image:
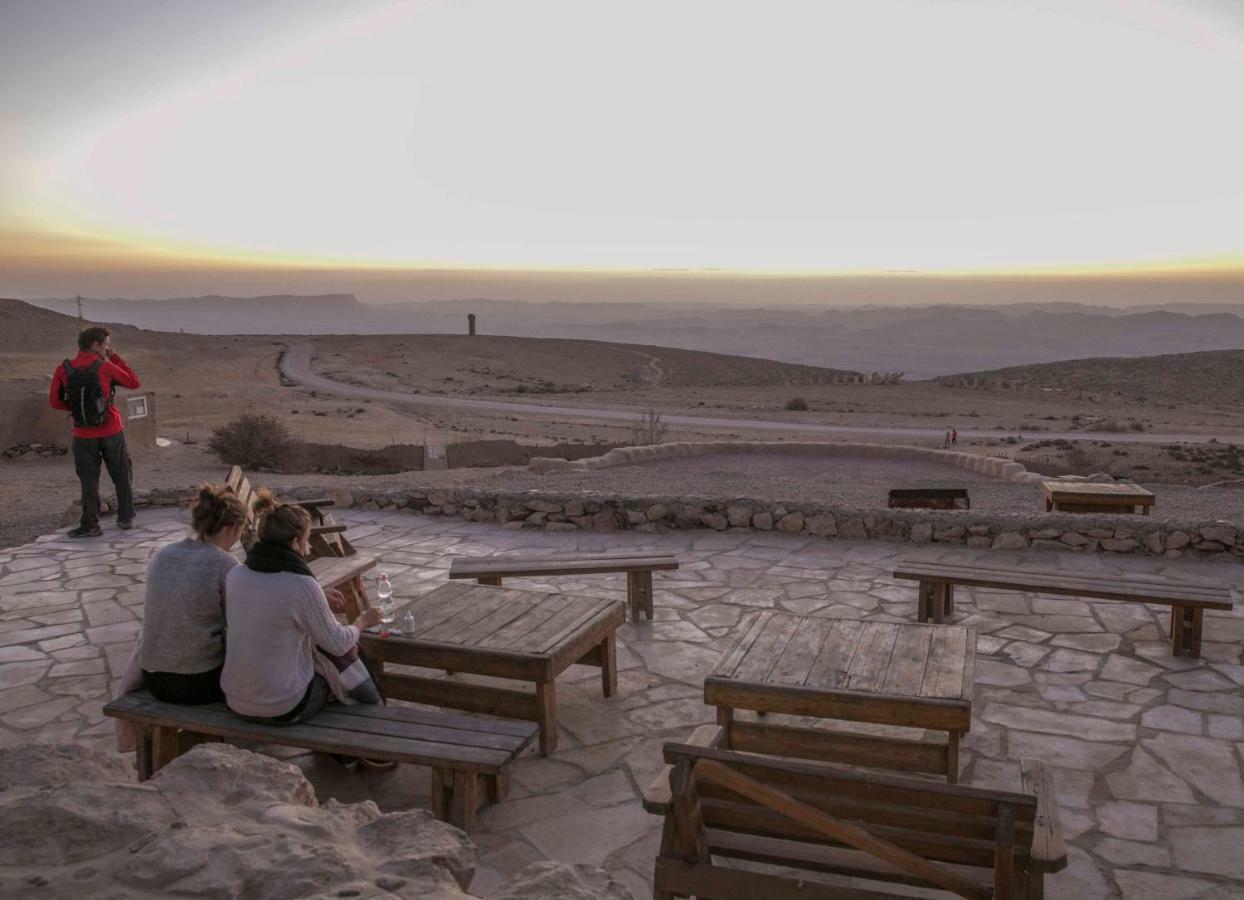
(508, 622)
(913, 663)
(1090, 490)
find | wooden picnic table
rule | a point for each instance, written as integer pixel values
(530, 636)
(912, 675)
(1088, 497)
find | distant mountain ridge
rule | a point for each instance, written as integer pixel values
(923, 341)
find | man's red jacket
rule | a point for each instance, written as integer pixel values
(114, 370)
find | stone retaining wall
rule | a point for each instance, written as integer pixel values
(549, 511)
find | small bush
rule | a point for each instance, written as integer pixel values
(252, 442)
(1136, 425)
(797, 404)
(648, 429)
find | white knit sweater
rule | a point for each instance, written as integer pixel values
(275, 621)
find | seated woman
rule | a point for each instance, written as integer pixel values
(183, 640)
(278, 620)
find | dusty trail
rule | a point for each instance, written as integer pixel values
(296, 365)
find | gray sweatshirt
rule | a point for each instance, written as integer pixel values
(184, 610)
(276, 619)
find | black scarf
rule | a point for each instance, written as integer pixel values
(266, 557)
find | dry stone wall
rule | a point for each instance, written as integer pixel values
(550, 511)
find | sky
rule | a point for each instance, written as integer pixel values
(768, 138)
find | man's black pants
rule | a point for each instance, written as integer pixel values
(88, 453)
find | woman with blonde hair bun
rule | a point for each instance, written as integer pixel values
(183, 638)
(279, 618)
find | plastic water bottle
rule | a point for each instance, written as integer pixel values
(408, 623)
(384, 590)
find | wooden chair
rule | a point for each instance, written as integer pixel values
(880, 829)
(327, 537)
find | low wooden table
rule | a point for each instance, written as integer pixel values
(918, 676)
(522, 635)
(1087, 497)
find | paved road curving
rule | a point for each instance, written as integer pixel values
(296, 364)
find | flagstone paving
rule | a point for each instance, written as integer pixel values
(1146, 748)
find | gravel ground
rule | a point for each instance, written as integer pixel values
(35, 493)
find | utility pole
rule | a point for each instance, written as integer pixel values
(79, 309)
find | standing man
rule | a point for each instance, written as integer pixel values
(84, 387)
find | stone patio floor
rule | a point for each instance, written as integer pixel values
(1146, 748)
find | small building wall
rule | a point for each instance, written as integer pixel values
(26, 418)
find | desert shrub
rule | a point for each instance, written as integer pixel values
(1079, 461)
(1110, 425)
(252, 442)
(797, 404)
(647, 429)
(1136, 425)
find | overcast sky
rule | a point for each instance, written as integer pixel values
(852, 136)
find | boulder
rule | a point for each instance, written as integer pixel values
(921, 533)
(763, 521)
(791, 523)
(217, 822)
(1010, 540)
(1177, 540)
(1222, 534)
(822, 525)
(657, 511)
(739, 516)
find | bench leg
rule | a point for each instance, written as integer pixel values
(546, 715)
(725, 718)
(924, 601)
(494, 580)
(465, 800)
(497, 786)
(952, 758)
(164, 747)
(939, 603)
(609, 665)
(142, 756)
(950, 599)
(1186, 625)
(639, 593)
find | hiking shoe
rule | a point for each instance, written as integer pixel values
(378, 765)
(126, 525)
(85, 531)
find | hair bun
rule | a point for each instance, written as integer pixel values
(207, 493)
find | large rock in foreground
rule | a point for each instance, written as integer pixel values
(218, 822)
(224, 822)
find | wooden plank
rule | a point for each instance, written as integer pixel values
(511, 608)
(908, 661)
(729, 663)
(871, 661)
(679, 878)
(440, 717)
(839, 747)
(764, 652)
(327, 718)
(453, 658)
(1049, 852)
(434, 607)
(536, 567)
(657, 798)
(1004, 854)
(943, 675)
(535, 616)
(851, 835)
(479, 698)
(966, 568)
(333, 571)
(795, 663)
(582, 644)
(470, 610)
(829, 670)
(800, 700)
(568, 620)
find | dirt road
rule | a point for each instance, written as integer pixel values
(296, 365)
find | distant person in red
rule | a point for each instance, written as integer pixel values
(84, 387)
(954, 437)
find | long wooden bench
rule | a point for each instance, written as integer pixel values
(1187, 601)
(637, 566)
(461, 750)
(881, 829)
(929, 498)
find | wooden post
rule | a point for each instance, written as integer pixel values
(546, 715)
(464, 801)
(142, 760)
(609, 664)
(725, 718)
(687, 813)
(497, 786)
(924, 599)
(639, 593)
(163, 747)
(952, 758)
(442, 790)
(1004, 852)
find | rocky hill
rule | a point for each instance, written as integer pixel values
(1209, 378)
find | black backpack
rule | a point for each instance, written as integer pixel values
(85, 395)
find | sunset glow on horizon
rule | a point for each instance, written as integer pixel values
(873, 137)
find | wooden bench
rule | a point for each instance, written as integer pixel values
(881, 829)
(1090, 497)
(1187, 601)
(637, 566)
(461, 750)
(929, 498)
(327, 537)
